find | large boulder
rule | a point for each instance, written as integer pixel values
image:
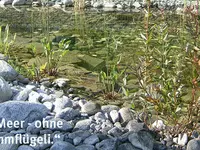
(7, 71)
(21, 112)
(5, 91)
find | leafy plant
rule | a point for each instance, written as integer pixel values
(54, 56)
(5, 41)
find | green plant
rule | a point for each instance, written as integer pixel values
(54, 56)
(110, 80)
(5, 41)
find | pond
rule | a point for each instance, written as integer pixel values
(99, 38)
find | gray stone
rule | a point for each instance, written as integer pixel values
(22, 111)
(62, 103)
(77, 140)
(91, 140)
(127, 146)
(193, 144)
(109, 108)
(134, 126)
(142, 140)
(90, 108)
(116, 132)
(114, 116)
(68, 114)
(66, 126)
(25, 147)
(125, 115)
(3, 57)
(108, 144)
(7, 71)
(61, 82)
(22, 95)
(34, 97)
(85, 147)
(79, 133)
(83, 124)
(49, 105)
(99, 116)
(5, 90)
(61, 145)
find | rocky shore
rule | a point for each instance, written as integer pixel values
(119, 4)
(40, 116)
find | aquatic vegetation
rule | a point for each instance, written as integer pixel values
(5, 41)
(54, 56)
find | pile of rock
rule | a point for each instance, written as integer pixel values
(29, 109)
(99, 3)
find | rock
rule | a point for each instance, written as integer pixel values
(114, 116)
(134, 126)
(193, 144)
(34, 97)
(99, 116)
(79, 133)
(66, 126)
(62, 103)
(91, 140)
(90, 108)
(108, 144)
(127, 146)
(61, 145)
(142, 140)
(158, 125)
(25, 147)
(67, 2)
(136, 4)
(7, 71)
(109, 5)
(5, 2)
(61, 82)
(22, 111)
(109, 108)
(182, 140)
(22, 95)
(3, 57)
(67, 114)
(116, 132)
(83, 124)
(6, 146)
(5, 91)
(21, 2)
(85, 147)
(49, 105)
(126, 115)
(77, 140)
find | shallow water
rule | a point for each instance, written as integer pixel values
(102, 35)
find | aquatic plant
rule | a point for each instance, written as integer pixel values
(54, 56)
(5, 41)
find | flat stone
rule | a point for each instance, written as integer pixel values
(109, 108)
